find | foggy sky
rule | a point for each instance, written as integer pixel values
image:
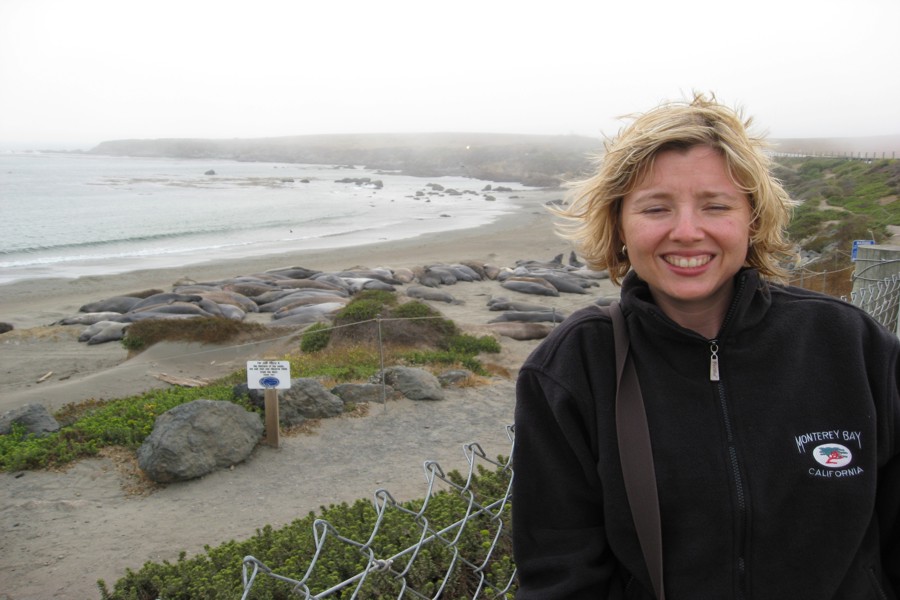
(75, 73)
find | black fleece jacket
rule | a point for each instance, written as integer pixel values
(780, 480)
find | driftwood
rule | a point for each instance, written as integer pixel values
(45, 377)
(183, 381)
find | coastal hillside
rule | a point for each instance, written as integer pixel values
(542, 161)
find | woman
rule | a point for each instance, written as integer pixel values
(774, 412)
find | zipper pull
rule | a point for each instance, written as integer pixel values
(714, 360)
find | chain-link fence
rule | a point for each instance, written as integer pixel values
(881, 300)
(461, 548)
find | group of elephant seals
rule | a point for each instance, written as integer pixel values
(297, 296)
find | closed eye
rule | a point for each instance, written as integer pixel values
(654, 210)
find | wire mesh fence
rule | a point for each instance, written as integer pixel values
(876, 292)
(460, 541)
(881, 300)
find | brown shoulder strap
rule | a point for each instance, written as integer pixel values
(636, 455)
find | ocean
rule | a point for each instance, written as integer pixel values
(73, 215)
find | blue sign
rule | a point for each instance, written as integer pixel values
(269, 382)
(857, 244)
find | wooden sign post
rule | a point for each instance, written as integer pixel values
(271, 376)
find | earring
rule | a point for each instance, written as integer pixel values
(624, 250)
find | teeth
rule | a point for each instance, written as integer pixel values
(688, 263)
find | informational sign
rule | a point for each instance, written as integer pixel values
(857, 244)
(268, 374)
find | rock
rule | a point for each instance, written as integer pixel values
(361, 393)
(454, 377)
(35, 418)
(4, 327)
(307, 399)
(196, 438)
(415, 384)
(210, 172)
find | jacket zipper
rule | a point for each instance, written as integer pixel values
(738, 479)
(734, 464)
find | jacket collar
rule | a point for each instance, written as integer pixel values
(749, 306)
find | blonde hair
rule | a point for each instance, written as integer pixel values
(592, 218)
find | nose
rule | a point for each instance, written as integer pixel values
(686, 226)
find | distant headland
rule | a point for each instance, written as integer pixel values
(535, 160)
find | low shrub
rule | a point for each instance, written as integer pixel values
(316, 337)
(206, 330)
(289, 551)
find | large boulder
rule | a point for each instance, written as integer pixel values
(415, 384)
(35, 418)
(194, 439)
(307, 399)
(363, 393)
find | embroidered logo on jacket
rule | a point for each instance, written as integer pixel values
(834, 456)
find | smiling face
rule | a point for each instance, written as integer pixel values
(687, 230)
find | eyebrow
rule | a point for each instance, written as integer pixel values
(658, 194)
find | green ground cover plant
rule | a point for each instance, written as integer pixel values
(87, 428)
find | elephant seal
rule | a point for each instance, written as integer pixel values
(426, 293)
(310, 314)
(522, 331)
(309, 301)
(502, 303)
(302, 284)
(517, 316)
(88, 318)
(427, 278)
(164, 298)
(111, 332)
(573, 260)
(380, 274)
(298, 295)
(230, 311)
(358, 284)
(530, 285)
(249, 289)
(233, 298)
(556, 263)
(567, 285)
(118, 304)
(174, 308)
(93, 329)
(293, 272)
(404, 275)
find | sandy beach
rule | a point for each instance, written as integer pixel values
(62, 531)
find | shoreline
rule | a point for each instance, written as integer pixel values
(39, 302)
